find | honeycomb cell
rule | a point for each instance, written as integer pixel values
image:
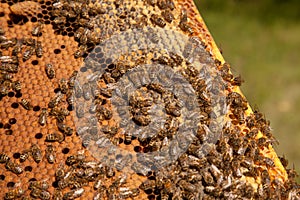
(28, 168)
(10, 184)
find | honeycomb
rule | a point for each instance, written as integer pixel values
(126, 99)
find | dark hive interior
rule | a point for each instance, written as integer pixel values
(82, 84)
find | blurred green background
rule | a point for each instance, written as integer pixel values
(261, 41)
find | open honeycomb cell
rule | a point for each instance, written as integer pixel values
(124, 99)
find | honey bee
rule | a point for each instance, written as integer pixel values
(39, 49)
(98, 183)
(107, 78)
(36, 153)
(86, 140)
(10, 68)
(156, 20)
(9, 59)
(236, 100)
(207, 177)
(269, 162)
(176, 58)
(79, 33)
(50, 156)
(82, 130)
(164, 60)
(93, 108)
(55, 137)
(100, 193)
(237, 81)
(37, 30)
(55, 100)
(90, 174)
(80, 110)
(93, 130)
(265, 177)
(64, 111)
(183, 24)
(73, 194)
(239, 114)
(104, 113)
(42, 185)
(24, 155)
(72, 79)
(5, 44)
(14, 193)
(17, 48)
(85, 35)
(74, 159)
(28, 53)
(77, 89)
(66, 130)
(2, 39)
(151, 2)
(162, 4)
(110, 172)
(142, 120)
(86, 91)
(59, 113)
(106, 92)
(5, 87)
(81, 182)
(60, 172)
(63, 85)
(135, 192)
(170, 4)
(168, 16)
(148, 184)
(250, 121)
(26, 104)
(64, 183)
(128, 137)
(70, 98)
(120, 164)
(284, 161)
(225, 72)
(102, 142)
(6, 76)
(153, 36)
(173, 109)
(43, 116)
(41, 194)
(81, 51)
(4, 158)
(50, 71)
(13, 167)
(29, 41)
(59, 20)
(17, 86)
(127, 192)
(110, 130)
(57, 195)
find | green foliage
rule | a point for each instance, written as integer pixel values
(266, 11)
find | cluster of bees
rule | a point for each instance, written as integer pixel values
(9, 65)
(34, 151)
(92, 22)
(82, 171)
(205, 170)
